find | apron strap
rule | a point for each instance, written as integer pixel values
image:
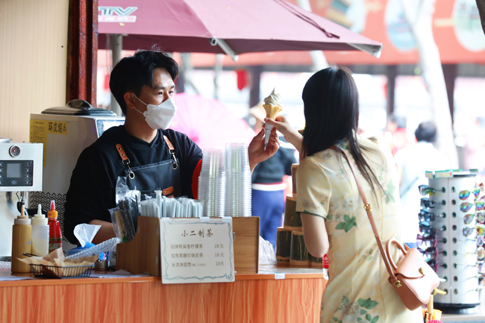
(172, 152)
(125, 160)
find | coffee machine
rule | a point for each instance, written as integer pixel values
(64, 138)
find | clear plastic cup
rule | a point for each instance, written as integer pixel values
(212, 182)
(238, 181)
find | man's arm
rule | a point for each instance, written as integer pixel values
(90, 193)
(105, 232)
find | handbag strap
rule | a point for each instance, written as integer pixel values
(368, 210)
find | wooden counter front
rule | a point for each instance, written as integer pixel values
(251, 298)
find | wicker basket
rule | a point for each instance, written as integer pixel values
(60, 272)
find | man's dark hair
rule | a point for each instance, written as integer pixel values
(426, 131)
(133, 72)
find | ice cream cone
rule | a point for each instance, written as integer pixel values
(272, 111)
(272, 107)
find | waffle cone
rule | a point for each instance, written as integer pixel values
(272, 111)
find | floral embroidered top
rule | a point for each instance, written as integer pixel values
(358, 289)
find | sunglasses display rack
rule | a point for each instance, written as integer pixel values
(448, 235)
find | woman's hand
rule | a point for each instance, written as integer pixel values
(291, 135)
(256, 151)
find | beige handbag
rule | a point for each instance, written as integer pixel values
(412, 278)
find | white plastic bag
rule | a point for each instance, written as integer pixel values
(267, 256)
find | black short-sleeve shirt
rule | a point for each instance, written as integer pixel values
(92, 189)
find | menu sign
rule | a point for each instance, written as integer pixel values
(196, 250)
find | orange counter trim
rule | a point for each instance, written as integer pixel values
(251, 298)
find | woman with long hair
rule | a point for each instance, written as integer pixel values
(331, 209)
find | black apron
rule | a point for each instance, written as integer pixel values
(164, 175)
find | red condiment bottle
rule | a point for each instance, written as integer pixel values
(55, 234)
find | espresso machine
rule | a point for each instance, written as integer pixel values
(64, 138)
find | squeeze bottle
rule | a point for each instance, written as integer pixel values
(40, 234)
(21, 242)
(55, 235)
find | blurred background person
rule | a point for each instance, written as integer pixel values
(395, 134)
(475, 144)
(412, 163)
(268, 185)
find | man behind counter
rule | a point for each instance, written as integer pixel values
(159, 158)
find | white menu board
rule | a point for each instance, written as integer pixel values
(196, 250)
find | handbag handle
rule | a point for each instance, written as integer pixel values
(368, 210)
(404, 251)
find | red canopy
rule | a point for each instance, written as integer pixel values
(206, 26)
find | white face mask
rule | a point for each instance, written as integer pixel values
(159, 116)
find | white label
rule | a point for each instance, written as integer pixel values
(196, 251)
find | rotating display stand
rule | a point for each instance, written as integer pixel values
(454, 200)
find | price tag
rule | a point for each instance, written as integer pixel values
(196, 250)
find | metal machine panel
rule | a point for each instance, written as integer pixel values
(64, 138)
(20, 167)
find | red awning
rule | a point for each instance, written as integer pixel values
(206, 26)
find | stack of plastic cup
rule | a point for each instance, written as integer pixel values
(238, 181)
(212, 183)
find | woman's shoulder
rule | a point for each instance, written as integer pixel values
(321, 159)
(375, 144)
(373, 141)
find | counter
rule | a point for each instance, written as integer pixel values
(273, 295)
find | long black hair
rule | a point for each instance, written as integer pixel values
(331, 105)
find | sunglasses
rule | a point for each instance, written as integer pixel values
(427, 203)
(468, 218)
(465, 206)
(480, 241)
(426, 229)
(480, 253)
(467, 231)
(481, 217)
(455, 240)
(423, 243)
(480, 276)
(430, 254)
(465, 194)
(479, 205)
(426, 240)
(435, 265)
(456, 253)
(429, 216)
(481, 267)
(465, 265)
(480, 230)
(426, 190)
(476, 289)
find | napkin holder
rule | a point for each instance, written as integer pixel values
(142, 254)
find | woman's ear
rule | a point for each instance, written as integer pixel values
(129, 100)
